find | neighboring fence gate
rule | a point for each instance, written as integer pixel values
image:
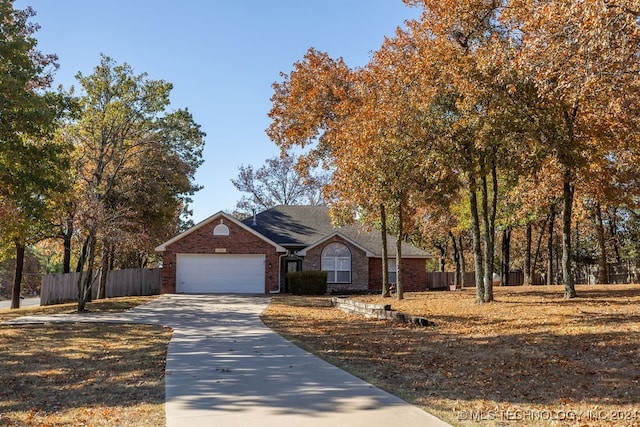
(58, 288)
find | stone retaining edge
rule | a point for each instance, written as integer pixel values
(377, 311)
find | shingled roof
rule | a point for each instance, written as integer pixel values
(297, 227)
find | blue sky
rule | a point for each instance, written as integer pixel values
(221, 57)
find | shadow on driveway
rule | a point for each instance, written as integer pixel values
(225, 367)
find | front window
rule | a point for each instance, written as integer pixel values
(392, 269)
(336, 261)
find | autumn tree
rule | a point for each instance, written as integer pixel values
(339, 113)
(124, 129)
(464, 79)
(278, 182)
(474, 94)
(556, 51)
(382, 127)
(582, 58)
(31, 164)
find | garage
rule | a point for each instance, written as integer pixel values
(209, 274)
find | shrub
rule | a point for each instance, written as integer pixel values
(307, 282)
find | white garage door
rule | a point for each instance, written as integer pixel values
(210, 274)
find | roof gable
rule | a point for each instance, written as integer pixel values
(212, 218)
(367, 252)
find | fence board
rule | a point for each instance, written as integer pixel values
(59, 288)
(624, 273)
(437, 279)
(617, 273)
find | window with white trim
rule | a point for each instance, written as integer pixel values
(392, 270)
(336, 261)
(221, 230)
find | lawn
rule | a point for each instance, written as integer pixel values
(530, 358)
(82, 374)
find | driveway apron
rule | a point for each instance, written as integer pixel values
(226, 368)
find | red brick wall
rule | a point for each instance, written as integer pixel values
(202, 241)
(414, 274)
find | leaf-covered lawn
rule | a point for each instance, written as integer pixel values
(109, 305)
(531, 358)
(82, 374)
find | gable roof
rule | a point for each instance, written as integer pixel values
(329, 237)
(302, 227)
(214, 217)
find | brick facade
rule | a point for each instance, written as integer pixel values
(414, 274)
(202, 241)
(366, 272)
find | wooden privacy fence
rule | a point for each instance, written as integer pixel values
(616, 273)
(584, 274)
(439, 279)
(59, 288)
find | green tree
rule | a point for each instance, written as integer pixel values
(31, 164)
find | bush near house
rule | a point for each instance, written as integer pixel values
(307, 282)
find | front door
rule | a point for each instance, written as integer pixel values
(290, 265)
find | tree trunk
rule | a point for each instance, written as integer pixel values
(66, 243)
(456, 259)
(85, 285)
(104, 271)
(17, 278)
(385, 254)
(83, 256)
(399, 290)
(488, 242)
(506, 256)
(567, 274)
(463, 266)
(477, 246)
(443, 253)
(603, 277)
(537, 251)
(613, 234)
(550, 248)
(528, 274)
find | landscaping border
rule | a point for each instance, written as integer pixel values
(377, 311)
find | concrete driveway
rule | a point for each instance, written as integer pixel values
(225, 367)
(26, 302)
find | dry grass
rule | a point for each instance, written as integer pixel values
(109, 305)
(82, 374)
(530, 358)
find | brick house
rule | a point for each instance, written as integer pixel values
(224, 255)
